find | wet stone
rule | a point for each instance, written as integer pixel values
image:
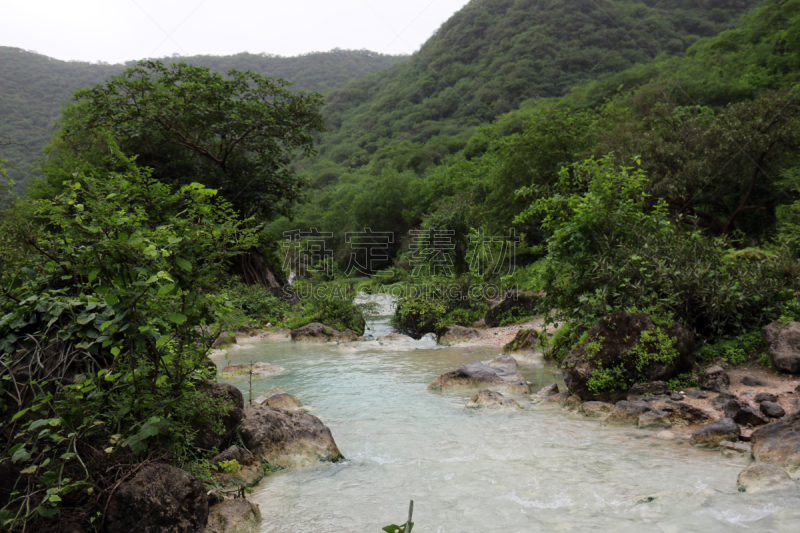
(772, 410)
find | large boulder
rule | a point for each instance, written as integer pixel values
(448, 335)
(234, 516)
(779, 442)
(783, 339)
(206, 438)
(320, 332)
(479, 375)
(160, 498)
(516, 304)
(287, 438)
(249, 472)
(759, 477)
(488, 399)
(630, 344)
(715, 379)
(711, 435)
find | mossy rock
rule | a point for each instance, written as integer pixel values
(524, 340)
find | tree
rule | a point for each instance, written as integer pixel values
(237, 133)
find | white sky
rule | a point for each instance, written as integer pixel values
(118, 30)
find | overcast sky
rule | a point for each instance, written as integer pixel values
(118, 30)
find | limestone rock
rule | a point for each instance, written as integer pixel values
(772, 410)
(654, 419)
(766, 397)
(248, 474)
(476, 374)
(752, 381)
(714, 378)
(160, 498)
(548, 390)
(518, 388)
(779, 442)
(452, 334)
(759, 477)
(516, 303)
(287, 438)
(612, 339)
(710, 435)
(743, 413)
(320, 332)
(487, 399)
(206, 438)
(625, 412)
(503, 361)
(261, 369)
(783, 340)
(595, 409)
(234, 516)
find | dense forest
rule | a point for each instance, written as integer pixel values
(34, 87)
(642, 157)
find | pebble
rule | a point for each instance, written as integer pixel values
(665, 435)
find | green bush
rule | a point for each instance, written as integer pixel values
(255, 302)
(734, 350)
(418, 316)
(334, 308)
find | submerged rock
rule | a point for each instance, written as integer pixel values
(159, 498)
(234, 516)
(616, 341)
(711, 435)
(488, 399)
(476, 374)
(715, 379)
(503, 361)
(249, 473)
(287, 438)
(783, 339)
(779, 442)
(453, 334)
(595, 409)
(320, 332)
(261, 369)
(760, 477)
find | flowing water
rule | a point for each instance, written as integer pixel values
(471, 471)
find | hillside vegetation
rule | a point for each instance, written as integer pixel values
(33, 87)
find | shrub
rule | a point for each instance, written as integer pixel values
(254, 302)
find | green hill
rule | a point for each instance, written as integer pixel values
(33, 86)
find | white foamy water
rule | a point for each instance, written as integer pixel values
(473, 471)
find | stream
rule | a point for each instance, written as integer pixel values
(534, 470)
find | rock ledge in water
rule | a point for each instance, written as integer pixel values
(488, 399)
(759, 477)
(477, 374)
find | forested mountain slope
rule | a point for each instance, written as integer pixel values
(33, 86)
(494, 54)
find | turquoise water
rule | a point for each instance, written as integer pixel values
(480, 471)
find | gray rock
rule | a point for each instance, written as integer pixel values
(766, 397)
(779, 442)
(320, 332)
(722, 398)
(248, 474)
(159, 498)
(287, 438)
(625, 412)
(503, 361)
(518, 388)
(655, 419)
(752, 381)
(476, 374)
(743, 413)
(452, 334)
(714, 378)
(695, 394)
(676, 396)
(595, 409)
(560, 398)
(783, 340)
(736, 446)
(687, 413)
(261, 369)
(234, 516)
(710, 435)
(759, 477)
(548, 390)
(653, 388)
(772, 410)
(487, 399)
